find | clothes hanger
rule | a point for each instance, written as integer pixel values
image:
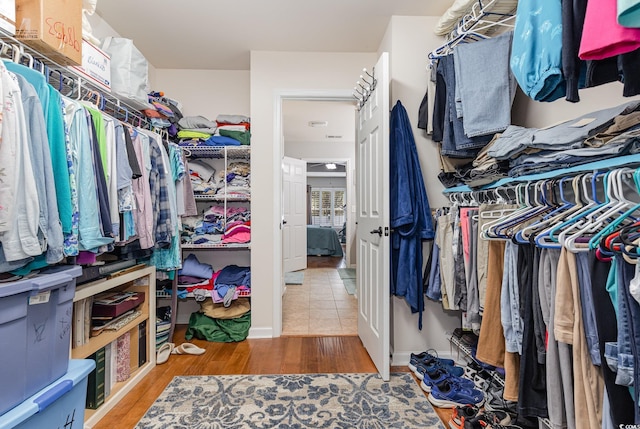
(547, 200)
(528, 233)
(539, 206)
(590, 192)
(523, 203)
(624, 217)
(574, 231)
(598, 219)
(542, 238)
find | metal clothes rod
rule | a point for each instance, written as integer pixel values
(484, 19)
(69, 83)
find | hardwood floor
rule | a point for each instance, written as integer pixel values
(325, 262)
(284, 355)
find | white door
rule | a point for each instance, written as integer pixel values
(294, 214)
(372, 234)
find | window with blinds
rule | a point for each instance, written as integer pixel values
(327, 206)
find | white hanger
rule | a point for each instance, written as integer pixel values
(543, 238)
(617, 203)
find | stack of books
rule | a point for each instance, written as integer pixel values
(113, 310)
(113, 365)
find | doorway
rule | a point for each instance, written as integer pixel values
(317, 302)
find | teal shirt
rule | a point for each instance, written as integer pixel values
(52, 107)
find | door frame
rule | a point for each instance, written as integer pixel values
(278, 138)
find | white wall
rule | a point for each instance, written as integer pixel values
(206, 92)
(408, 40)
(327, 182)
(529, 113)
(326, 150)
(271, 74)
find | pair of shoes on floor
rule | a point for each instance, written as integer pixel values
(451, 393)
(437, 375)
(421, 368)
(429, 357)
(470, 417)
(168, 349)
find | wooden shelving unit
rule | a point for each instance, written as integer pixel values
(140, 280)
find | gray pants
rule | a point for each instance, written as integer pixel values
(559, 355)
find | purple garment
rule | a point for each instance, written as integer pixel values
(192, 267)
(86, 258)
(189, 280)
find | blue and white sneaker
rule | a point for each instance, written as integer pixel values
(421, 368)
(439, 376)
(449, 394)
(427, 358)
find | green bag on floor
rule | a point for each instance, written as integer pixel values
(204, 327)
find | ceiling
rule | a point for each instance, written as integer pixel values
(219, 35)
(338, 115)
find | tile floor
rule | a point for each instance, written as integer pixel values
(319, 306)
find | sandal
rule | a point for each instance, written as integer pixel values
(188, 349)
(163, 353)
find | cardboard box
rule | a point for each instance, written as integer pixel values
(52, 27)
(96, 66)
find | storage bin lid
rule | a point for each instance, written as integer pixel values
(47, 279)
(55, 276)
(14, 288)
(77, 371)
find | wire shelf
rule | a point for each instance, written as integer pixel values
(231, 152)
(228, 246)
(469, 354)
(222, 198)
(71, 83)
(163, 294)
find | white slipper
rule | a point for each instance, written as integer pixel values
(164, 352)
(188, 349)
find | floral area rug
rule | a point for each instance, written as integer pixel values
(291, 401)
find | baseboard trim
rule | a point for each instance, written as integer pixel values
(260, 333)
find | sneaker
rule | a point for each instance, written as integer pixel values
(488, 419)
(438, 375)
(496, 402)
(426, 357)
(479, 375)
(450, 395)
(421, 368)
(466, 337)
(462, 414)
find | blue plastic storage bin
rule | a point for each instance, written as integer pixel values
(14, 299)
(35, 332)
(59, 405)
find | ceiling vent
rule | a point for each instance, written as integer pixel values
(318, 123)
